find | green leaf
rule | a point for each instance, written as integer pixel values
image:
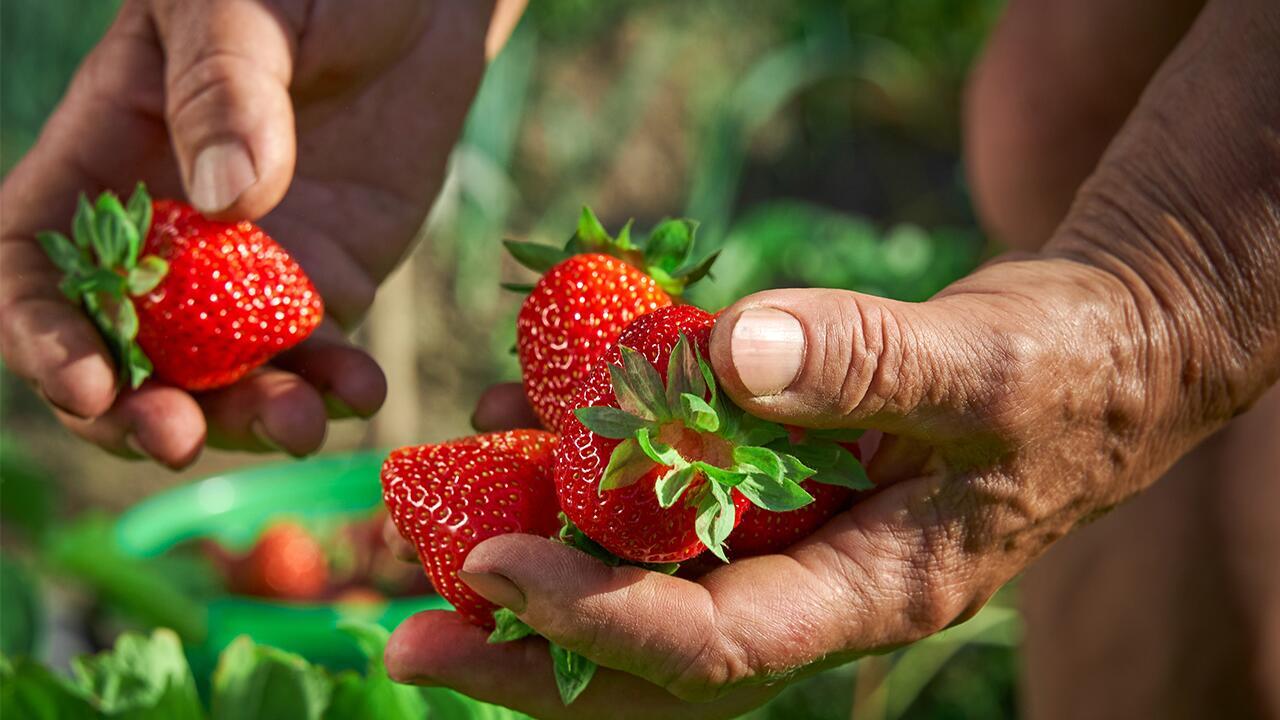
(698, 414)
(673, 484)
(126, 321)
(640, 392)
(573, 673)
(627, 464)
(139, 210)
(84, 226)
(116, 234)
(255, 681)
(508, 627)
(31, 692)
(698, 270)
(64, 254)
(146, 275)
(683, 373)
(536, 257)
(708, 377)
(99, 280)
(623, 241)
(523, 288)
(772, 494)
(760, 459)
(752, 430)
(21, 618)
(142, 678)
(375, 695)
(715, 519)
(610, 422)
(137, 365)
(590, 231)
(847, 472)
(669, 244)
(658, 452)
(719, 475)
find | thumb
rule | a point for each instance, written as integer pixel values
(834, 358)
(228, 64)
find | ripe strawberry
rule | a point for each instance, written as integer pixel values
(199, 303)
(590, 291)
(649, 428)
(286, 562)
(447, 498)
(762, 532)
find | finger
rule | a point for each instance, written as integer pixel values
(268, 409)
(440, 648)
(228, 64)
(155, 421)
(400, 548)
(504, 407)
(348, 379)
(833, 358)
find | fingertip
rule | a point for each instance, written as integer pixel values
(503, 407)
(167, 425)
(294, 419)
(362, 387)
(84, 386)
(426, 644)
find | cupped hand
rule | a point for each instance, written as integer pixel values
(330, 122)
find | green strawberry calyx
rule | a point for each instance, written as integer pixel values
(666, 255)
(696, 432)
(104, 269)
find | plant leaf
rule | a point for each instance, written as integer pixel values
(508, 627)
(658, 452)
(137, 365)
(256, 681)
(683, 373)
(627, 464)
(142, 676)
(673, 484)
(669, 244)
(846, 472)
(752, 430)
(623, 241)
(638, 387)
(116, 232)
(84, 226)
(590, 231)
(573, 672)
(715, 519)
(146, 275)
(708, 377)
(719, 475)
(537, 257)
(126, 321)
(759, 460)
(698, 414)
(517, 287)
(610, 422)
(774, 495)
(64, 254)
(698, 270)
(139, 210)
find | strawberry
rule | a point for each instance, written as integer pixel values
(589, 292)
(286, 562)
(449, 497)
(762, 532)
(197, 303)
(656, 466)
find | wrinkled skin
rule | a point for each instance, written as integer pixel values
(376, 96)
(1023, 401)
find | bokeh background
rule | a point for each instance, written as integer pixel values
(817, 141)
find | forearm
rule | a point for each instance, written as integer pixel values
(1184, 212)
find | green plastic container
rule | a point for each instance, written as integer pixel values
(232, 509)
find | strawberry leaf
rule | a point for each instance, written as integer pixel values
(508, 627)
(683, 375)
(658, 452)
(638, 386)
(517, 287)
(590, 231)
(627, 464)
(719, 475)
(537, 257)
(698, 414)
(752, 430)
(708, 377)
(610, 422)
(146, 275)
(126, 320)
(669, 245)
(137, 365)
(116, 232)
(139, 210)
(758, 460)
(83, 226)
(64, 254)
(698, 270)
(573, 672)
(772, 494)
(715, 519)
(847, 472)
(623, 241)
(673, 484)
(98, 281)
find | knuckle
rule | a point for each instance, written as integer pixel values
(863, 354)
(215, 79)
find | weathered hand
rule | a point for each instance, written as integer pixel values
(332, 122)
(1021, 401)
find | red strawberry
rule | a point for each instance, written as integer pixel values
(286, 562)
(447, 498)
(762, 532)
(200, 303)
(590, 291)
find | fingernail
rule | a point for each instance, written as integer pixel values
(336, 408)
(495, 589)
(768, 349)
(220, 175)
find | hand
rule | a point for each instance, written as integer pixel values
(1022, 401)
(331, 122)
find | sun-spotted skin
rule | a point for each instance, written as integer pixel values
(449, 497)
(572, 315)
(231, 300)
(628, 521)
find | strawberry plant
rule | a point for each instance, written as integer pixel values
(196, 302)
